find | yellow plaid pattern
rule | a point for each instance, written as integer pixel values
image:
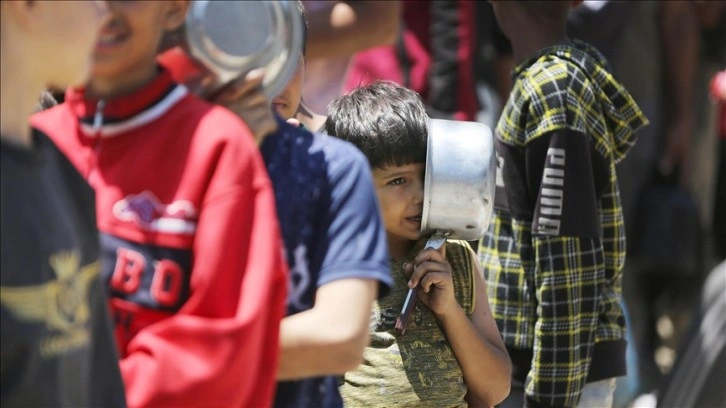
(558, 295)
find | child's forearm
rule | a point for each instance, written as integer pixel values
(329, 338)
(486, 368)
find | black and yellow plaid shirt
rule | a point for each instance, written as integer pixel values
(556, 246)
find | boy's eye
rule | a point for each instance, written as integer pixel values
(397, 181)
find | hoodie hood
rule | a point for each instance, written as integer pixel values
(622, 115)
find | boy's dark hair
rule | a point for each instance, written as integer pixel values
(301, 9)
(386, 121)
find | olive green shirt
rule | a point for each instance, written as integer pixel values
(417, 368)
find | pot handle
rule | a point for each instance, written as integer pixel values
(436, 241)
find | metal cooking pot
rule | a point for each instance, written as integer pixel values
(459, 186)
(460, 180)
(226, 39)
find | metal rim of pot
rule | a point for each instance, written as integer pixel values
(280, 40)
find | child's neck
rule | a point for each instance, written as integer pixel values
(114, 86)
(399, 248)
(20, 93)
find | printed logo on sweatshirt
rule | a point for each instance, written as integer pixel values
(61, 304)
(549, 212)
(147, 211)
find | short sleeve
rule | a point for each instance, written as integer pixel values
(353, 236)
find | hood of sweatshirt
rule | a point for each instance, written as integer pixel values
(623, 117)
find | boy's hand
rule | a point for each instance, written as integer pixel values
(244, 97)
(432, 272)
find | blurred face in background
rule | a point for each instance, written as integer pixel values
(288, 101)
(129, 41)
(57, 37)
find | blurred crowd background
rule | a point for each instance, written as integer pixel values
(668, 54)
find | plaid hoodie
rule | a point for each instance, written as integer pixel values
(554, 252)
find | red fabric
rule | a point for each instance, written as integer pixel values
(220, 348)
(467, 99)
(182, 67)
(382, 62)
(718, 93)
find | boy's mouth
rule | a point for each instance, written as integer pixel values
(109, 39)
(414, 219)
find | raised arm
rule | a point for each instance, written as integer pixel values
(484, 360)
(476, 342)
(680, 37)
(345, 27)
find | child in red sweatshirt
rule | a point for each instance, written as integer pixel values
(190, 241)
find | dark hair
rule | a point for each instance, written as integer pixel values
(303, 15)
(386, 121)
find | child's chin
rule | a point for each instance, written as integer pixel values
(414, 237)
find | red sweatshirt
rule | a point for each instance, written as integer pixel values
(191, 246)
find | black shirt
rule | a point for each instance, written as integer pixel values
(56, 342)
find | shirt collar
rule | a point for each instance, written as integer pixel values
(110, 117)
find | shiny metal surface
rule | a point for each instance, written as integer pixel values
(231, 38)
(460, 180)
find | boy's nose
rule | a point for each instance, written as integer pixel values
(418, 193)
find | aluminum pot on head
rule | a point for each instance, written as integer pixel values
(222, 40)
(459, 186)
(460, 180)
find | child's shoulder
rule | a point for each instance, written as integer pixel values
(460, 257)
(555, 70)
(458, 253)
(559, 88)
(559, 67)
(213, 122)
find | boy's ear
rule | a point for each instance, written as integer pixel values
(176, 12)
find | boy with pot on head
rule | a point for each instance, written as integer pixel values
(334, 241)
(555, 249)
(451, 353)
(57, 345)
(187, 218)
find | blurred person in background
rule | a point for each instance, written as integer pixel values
(337, 30)
(433, 54)
(712, 18)
(57, 345)
(653, 48)
(189, 233)
(333, 237)
(718, 93)
(554, 253)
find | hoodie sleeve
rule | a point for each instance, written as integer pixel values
(221, 348)
(567, 178)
